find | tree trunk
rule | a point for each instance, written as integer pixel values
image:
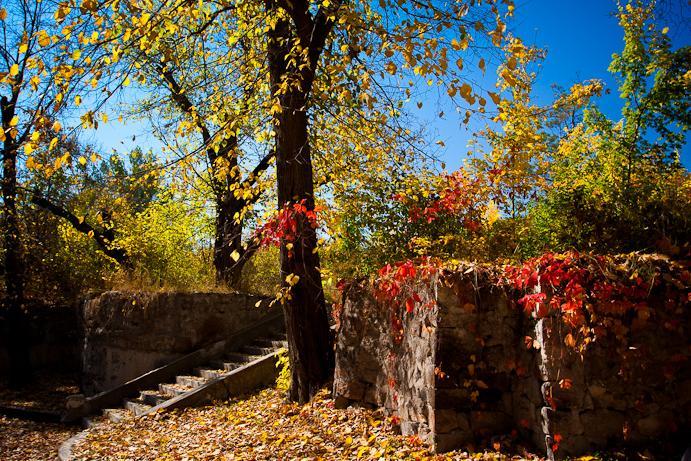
(229, 254)
(18, 340)
(307, 325)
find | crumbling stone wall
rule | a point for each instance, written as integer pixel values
(472, 346)
(54, 341)
(478, 393)
(607, 402)
(130, 333)
(375, 370)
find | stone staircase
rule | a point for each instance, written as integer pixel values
(206, 383)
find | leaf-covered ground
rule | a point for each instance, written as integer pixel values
(263, 427)
(22, 440)
(47, 391)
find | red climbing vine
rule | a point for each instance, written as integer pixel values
(396, 286)
(598, 295)
(285, 224)
(460, 195)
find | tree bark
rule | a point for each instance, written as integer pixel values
(230, 255)
(13, 302)
(307, 325)
(228, 229)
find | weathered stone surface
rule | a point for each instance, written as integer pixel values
(54, 340)
(130, 333)
(488, 383)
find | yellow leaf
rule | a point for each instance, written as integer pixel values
(3, 14)
(391, 68)
(28, 148)
(53, 143)
(35, 81)
(466, 90)
(76, 54)
(43, 38)
(14, 70)
(57, 126)
(82, 161)
(62, 12)
(235, 255)
(14, 121)
(665, 30)
(492, 213)
(23, 47)
(77, 100)
(89, 5)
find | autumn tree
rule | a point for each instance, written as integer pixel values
(297, 37)
(619, 183)
(40, 70)
(361, 54)
(204, 88)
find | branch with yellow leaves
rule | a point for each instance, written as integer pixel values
(103, 238)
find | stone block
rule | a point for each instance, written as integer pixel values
(566, 423)
(484, 423)
(655, 424)
(451, 441)
(450, 420)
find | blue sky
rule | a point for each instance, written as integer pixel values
(579, 36)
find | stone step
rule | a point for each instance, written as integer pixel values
(226, 365)
(259, 351)
(209, 373)
(189, 381)
(272, 343)
(153, 398)
(239, 357)
(136, 406)
(116, 414)
(173, 390)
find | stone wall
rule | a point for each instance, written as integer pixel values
(479, 351)
(128, 334)
(55, 339)
(462, 374)
(605, 404)
(376, 370)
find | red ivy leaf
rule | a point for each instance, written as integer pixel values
(409, 305)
